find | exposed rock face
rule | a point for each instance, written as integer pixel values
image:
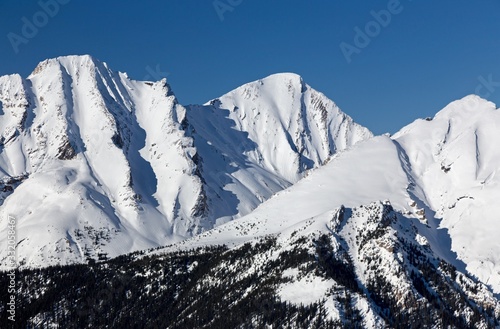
(66, 151)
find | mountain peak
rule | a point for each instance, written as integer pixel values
(278, 80)
(462, 114)
(272, 85)
(95, 165)
(142, 158)
(68, 62)
(466, 106)
(283, 76)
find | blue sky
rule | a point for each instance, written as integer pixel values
(416, 58)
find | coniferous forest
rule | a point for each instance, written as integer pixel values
(214, 287)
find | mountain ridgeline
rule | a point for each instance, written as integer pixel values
(265, 207)
(111, 165)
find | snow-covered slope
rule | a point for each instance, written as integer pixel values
(106, 167)
(394, 230)
(454, 161)
(369, 171)
(439, 174)
(263, 136)
(362, 267)
(94, 164)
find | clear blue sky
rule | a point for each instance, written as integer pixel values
(429, 54)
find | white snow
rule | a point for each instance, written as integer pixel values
(115, 165)
(461, 137)
(457, 209)
(306, 290)
(101, 164)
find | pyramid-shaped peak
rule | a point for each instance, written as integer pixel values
(273, 86)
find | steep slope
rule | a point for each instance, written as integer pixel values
(369, 171)
(437, 176)
(266, 134)
(105, 165)
(384, 231)
(454, 160)
(94, 164)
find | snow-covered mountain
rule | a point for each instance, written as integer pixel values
(96, 165)
(263, 137)
(267, 194)
(452, 160)
(105, 165)
(413, 214)
(438, 173)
